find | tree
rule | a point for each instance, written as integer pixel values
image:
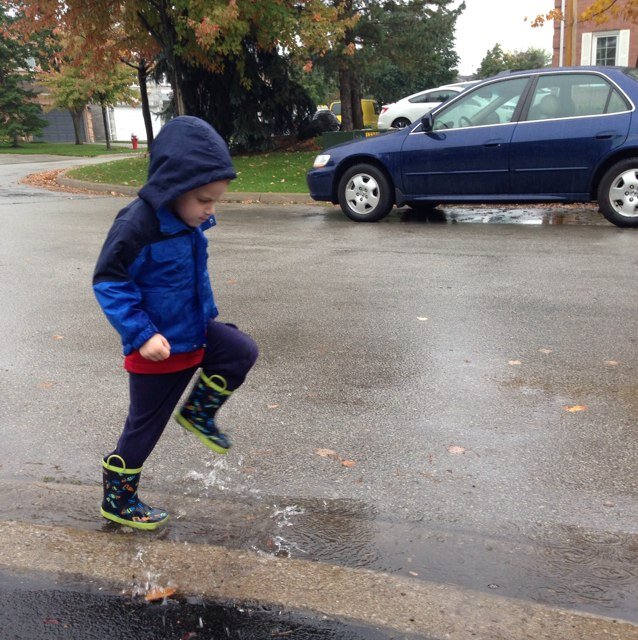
(19, 112)
(112, 88)
(68, 89)
(600, 11)
(191, 35)
(143, 68)
(381, 41)
(400, 33)
(496, 60)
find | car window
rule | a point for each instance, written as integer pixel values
(433, 96)
(494, 103)
(571, 95)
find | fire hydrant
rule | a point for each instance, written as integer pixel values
(134, 141)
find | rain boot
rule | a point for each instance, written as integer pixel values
(198, 412)
(121, 503)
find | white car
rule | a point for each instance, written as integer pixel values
(408, 110)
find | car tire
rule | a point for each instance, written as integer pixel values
(365, 194)
(618, 193)
(401, 123)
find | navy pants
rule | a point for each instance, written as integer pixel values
(229, 353)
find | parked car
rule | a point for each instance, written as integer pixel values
(404, 112)
(549, 135)
(368, 107)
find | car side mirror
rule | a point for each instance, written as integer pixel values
(427, 121)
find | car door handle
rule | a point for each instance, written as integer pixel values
(605, 135)
(493, 143)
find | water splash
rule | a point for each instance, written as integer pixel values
(283, 548)
(282, 516)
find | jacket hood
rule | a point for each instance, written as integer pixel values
(187, 153)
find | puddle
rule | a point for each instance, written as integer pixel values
(590, 570)
(529, 215)
(33, 607)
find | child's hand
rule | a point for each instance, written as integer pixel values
(156, 348)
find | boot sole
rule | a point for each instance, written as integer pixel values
(147, 526)
(206, 441)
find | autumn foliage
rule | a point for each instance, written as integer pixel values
(599, 12)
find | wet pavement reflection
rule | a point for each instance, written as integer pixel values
(33, 607)
(503, 214)
(566, 566)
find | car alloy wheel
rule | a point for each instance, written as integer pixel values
(618, 193)
(365, 194)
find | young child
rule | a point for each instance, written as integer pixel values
(151, 280)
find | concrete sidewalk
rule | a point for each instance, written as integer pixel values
(241, 197)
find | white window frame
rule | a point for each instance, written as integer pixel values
(588, 46)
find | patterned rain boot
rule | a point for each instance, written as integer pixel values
(198, 412)
(121, 503)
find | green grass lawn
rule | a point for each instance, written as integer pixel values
(63, 149)
(277, 172)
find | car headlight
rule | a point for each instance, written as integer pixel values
(321, 160)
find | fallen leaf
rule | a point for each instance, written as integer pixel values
(575, 407)
(611, 363)
(58, 337)
(609, 503)
(273, 406)
(413, 573)
(545, 351)
(47, 384)
(327, 453)
(514, 362)
(455, 450)
(159, 593)
(349, 463)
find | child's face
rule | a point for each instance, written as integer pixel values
(196, 206)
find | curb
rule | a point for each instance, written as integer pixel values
(238, 197)
(224, 574)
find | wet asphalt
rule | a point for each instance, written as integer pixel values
(449, 399)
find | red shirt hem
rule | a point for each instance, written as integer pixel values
(135, 363)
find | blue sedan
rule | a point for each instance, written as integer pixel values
(547, 135)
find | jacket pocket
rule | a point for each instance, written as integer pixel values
(172, 263)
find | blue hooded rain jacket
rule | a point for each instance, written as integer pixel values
(151, 276)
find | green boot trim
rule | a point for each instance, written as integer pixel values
(204, 438)
(123, 470)
(220, 388)
(134, 524)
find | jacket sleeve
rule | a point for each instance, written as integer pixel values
(115, 290)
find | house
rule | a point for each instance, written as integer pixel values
(578, 42)
(124, 120)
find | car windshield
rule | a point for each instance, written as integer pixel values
(490, 104)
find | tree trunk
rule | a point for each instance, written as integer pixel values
(142, 71)
(345, 88)
(178, 96)
(76, 115)
(107, 129)
(355, 97)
